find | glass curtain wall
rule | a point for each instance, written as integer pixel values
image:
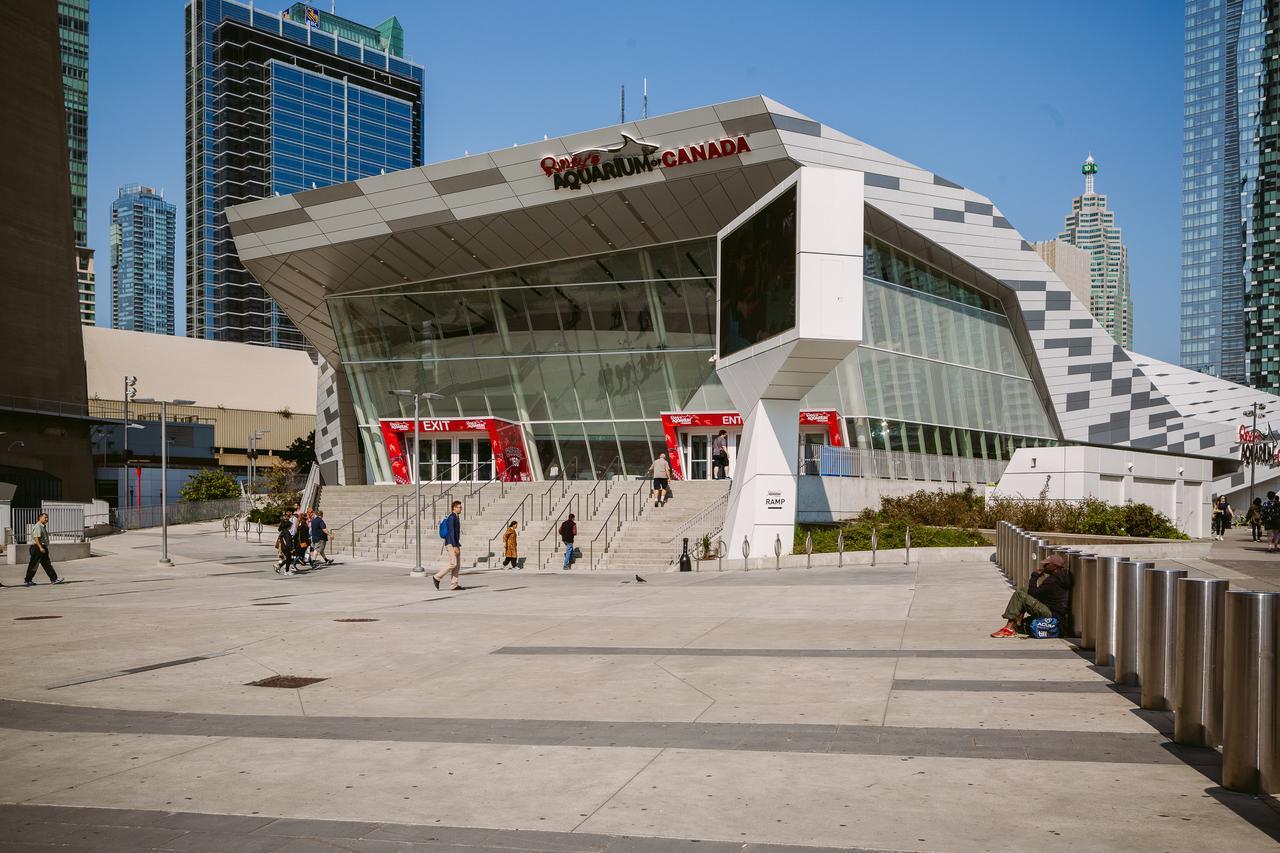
(586, 353)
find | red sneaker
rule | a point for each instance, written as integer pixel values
(1006, 631)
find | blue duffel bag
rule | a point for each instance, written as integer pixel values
(1043, 629)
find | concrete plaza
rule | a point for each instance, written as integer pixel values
(861, 708)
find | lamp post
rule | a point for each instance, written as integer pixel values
(418, 571)
(253, 455)
(1254, 408)
(164, 474)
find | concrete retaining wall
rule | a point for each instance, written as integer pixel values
(59, 552)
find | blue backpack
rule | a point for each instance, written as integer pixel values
(1045, 628)
(444, 528)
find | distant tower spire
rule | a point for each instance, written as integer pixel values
(1089, 169)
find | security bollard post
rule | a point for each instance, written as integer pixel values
(777, 552)
(1250, 752)
(1104, 598)
(874, 543)
(746, 554)
(1197, 671)
(840, 548)
(1159, 637)
(1083, 594)
(1002, 536)
(1075, 564)
(719, 555)
(907, 561)
(1128, 638)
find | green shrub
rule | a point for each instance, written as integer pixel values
(211, 484)
(270, 512)
(967, 511)
(857, 536)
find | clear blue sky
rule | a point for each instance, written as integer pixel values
(1003, 97)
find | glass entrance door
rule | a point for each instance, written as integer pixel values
(453, 459)
(811, 452)
(699, 457)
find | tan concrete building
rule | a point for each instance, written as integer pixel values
(237, 388)
(1072, 265)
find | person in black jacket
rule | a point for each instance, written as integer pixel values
(1048, 593)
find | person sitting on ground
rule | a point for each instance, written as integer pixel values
(1048, 593)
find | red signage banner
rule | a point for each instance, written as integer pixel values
(510, 457)
(676, 421)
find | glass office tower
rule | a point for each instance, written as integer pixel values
(143, 233)
(1091, 225)
(73, 41)
(278, 103)
(1230, 191)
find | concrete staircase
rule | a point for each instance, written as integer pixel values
(638, 537)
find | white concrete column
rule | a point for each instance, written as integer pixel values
(762, 501)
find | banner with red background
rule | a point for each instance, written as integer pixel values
(673, 422)
(510, 457)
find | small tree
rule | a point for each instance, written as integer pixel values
(211, 484)
(302, 451)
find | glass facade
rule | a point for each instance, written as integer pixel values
(936, 440)
(1230, 182)
(327, 131)
(586, 353)
(143, 235)
(280, 103)
(73, 42)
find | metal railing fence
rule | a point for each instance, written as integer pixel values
(66, 523)
(180, 512)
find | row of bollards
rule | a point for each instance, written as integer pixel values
(1192, 645)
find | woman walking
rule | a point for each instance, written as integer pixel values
(1255, 519)
(1222, 515)
(509, 546)
(284, 544)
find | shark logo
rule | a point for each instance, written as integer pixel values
(628, 147)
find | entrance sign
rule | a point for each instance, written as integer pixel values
(673, 422)
(631, 157)
(510, 458)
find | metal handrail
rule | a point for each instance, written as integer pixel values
(604, 530)
(555, 527)
(523, 522)
(697, 521)
(477, 490)
(333, 536)
(592, 501)
(544, 499)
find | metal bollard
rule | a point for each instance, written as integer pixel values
(1075, 564)
(840, 547)
(1159, 636)
(1019, 553)
(1250, 752)
(907, 561)
(1128, 636)
(808, 550)
(1083, 595)
(1197, 671)
(777, 552)
(719, 555)
(746, 553)
(1104, 608)
(1002, 543)
(1043, 550)
(874, 542)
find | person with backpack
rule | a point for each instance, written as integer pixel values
(284, 545)
(1048, 593)
(510, 546)
(1271, 519)
(1254, 515)
(568, 530)
(451, 533)
(720, 455)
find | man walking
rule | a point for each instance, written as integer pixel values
(661, 477)
(452, 530)
(568, 531)
(39, 551)
(320, 536)
(720, 455)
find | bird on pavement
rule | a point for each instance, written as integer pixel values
(640, 579)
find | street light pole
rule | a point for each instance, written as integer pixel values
(164, 475)
(418, 570)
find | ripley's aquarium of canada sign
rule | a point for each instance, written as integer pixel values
(631, 157)
(1258, 447)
